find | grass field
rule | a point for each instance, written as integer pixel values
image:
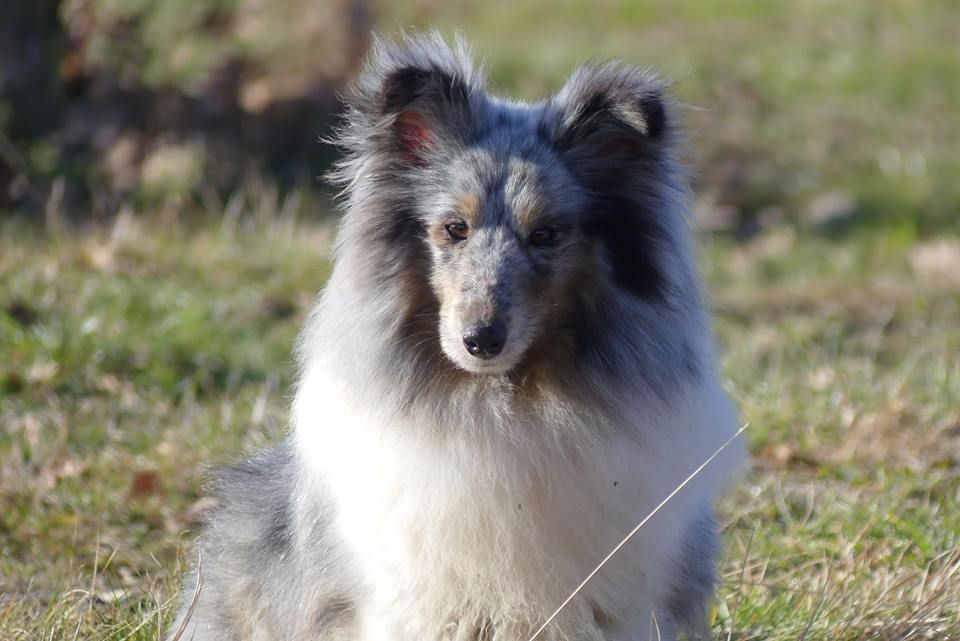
(135, 355)
(134, 358)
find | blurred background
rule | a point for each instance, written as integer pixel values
(824, 113)
(164, 226)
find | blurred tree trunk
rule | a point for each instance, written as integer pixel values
(31, 92)
(31, 43)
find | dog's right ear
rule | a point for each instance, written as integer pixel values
(428, 107)
(412, 100)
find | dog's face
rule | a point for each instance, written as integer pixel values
(505, 243)
(513, 209)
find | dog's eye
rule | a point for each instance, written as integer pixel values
(457, 230)
(543, 237)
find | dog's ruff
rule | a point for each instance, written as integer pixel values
(420, 498)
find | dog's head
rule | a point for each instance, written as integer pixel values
(515, 214)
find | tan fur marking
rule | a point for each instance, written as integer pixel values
(468, 206)
(528, 218)
(527, 192)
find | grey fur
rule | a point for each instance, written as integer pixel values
(695, 576)
(257, 567)
(606, 327)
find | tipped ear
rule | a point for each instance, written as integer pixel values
(610, 112)
(412, 97)
(427, 106)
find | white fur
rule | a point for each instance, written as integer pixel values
(446, 532)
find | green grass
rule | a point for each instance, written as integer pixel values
(135, 356)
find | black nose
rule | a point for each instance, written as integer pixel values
(485, 341)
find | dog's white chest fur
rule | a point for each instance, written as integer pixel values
(480, 535)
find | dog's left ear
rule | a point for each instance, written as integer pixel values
(611, 128)
(610, 114)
